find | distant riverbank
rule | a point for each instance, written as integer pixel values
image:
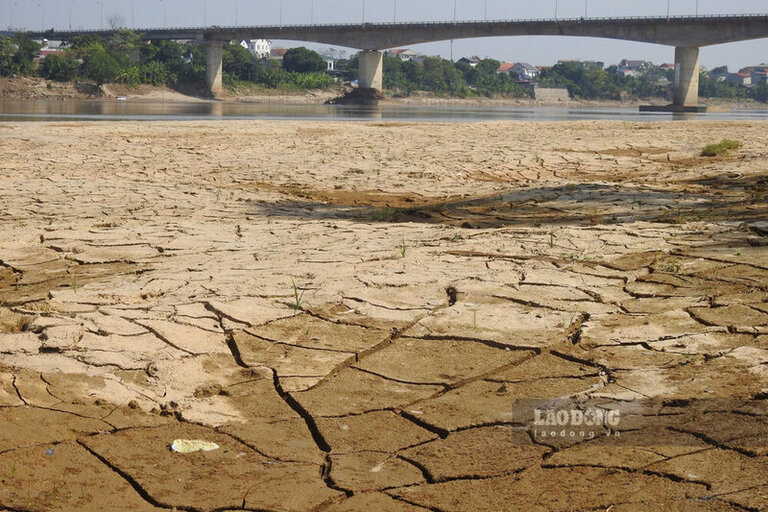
(32, 88)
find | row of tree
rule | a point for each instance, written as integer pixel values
(592, 80)
(583, 79)
(126, 59)
(17, 56)
(122, 58)
(441, 76)
(713, 88)
(301, 69)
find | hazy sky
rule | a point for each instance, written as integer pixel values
(34, 14)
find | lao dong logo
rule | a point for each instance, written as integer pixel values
(576, 423)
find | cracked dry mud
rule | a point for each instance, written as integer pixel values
(364, 316)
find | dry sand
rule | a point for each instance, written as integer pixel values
(364, 316)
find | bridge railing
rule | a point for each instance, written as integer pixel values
(401, 24)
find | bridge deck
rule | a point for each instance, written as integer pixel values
(674, 30)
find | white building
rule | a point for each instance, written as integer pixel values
(404, 55)
(259, 47)
(631, 67)
(524, 71)
(472, 61)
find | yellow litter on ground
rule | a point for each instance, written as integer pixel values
(192, 445)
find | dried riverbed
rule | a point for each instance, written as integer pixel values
(368, 315)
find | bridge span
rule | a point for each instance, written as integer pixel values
(686, 33)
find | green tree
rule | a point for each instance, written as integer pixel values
(7, 52)
(240, 62)
(169, 51)
(442, 77)
(488, 67)
(413, 72)
(155, 73)
(482, 77)
(303, 60)
(270, 74)
(124, 46)
(761, 92)
(184, 62)
(712, 88)
(24, 58)
(706, 86)
(394, 77)
(100, 66)
(485, 80)
(82, 43)
(350, 67)
(588, 80)
(467, 71)
(62, 68)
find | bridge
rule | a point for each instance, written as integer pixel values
(686, 33)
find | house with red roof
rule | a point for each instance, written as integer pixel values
(278, 53)
(404, 54)
(506, 68)
(743, 79)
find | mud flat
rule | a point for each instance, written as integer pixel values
(376, 315)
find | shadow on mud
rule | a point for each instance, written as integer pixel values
(575, 204)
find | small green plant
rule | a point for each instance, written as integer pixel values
(402, 248)
(299, 191)
(671, 267)
(539, 161)
(298, 298)
(720, 148)
(551, 238)
(73, 285)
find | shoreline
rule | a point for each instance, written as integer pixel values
(38, 89)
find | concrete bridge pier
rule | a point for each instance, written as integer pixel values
(685, 92)
(214, 66)
(686, 88)
(371, 71)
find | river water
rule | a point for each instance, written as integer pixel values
(184, 111)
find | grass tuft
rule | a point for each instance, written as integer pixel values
(402, 248)
(298, 298)
(720, 148)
